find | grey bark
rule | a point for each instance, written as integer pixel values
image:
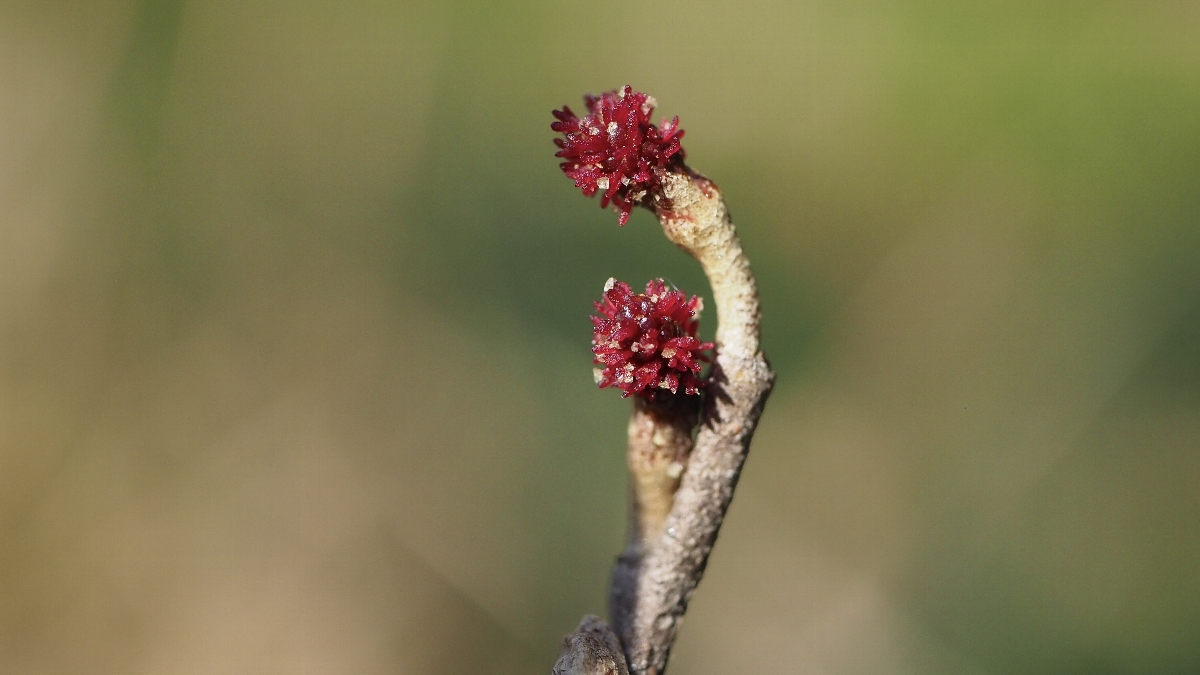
(591, 650)
(655, 578)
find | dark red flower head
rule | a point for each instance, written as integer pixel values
(644, 343)
(616, 149)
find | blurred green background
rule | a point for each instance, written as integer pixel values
(294, 369)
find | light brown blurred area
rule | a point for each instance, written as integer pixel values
(294, 369)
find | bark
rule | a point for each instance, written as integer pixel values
(660, 441)
(656, 576)
(591, 650)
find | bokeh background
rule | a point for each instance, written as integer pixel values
(294, 369)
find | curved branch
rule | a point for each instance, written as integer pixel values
(656, 576)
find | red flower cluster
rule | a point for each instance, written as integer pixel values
(615, 148)
(647, 342)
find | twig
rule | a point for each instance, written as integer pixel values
(655, 578)
(681, 486)
(660, 441)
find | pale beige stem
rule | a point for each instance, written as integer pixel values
(653, 583)
(660, 440)
(694, 217)
(675, 518)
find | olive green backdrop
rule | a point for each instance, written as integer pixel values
(294, 368)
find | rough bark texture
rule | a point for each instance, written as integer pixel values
(655, 577)
(591, 650)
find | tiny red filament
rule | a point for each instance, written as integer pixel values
(615, 150)
(645, 343)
